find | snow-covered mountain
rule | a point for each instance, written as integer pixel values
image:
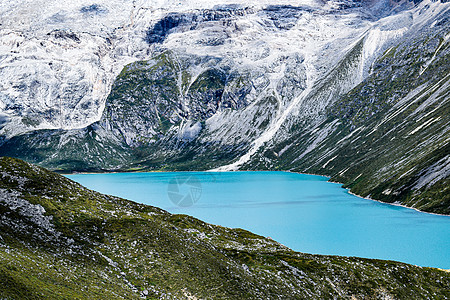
(298, 85)
(59, 60)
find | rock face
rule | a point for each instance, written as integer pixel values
(61, 240)
(357, 90)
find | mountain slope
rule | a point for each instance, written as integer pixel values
(388, 138)
(60, 240)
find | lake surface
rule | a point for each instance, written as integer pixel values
(303, 212)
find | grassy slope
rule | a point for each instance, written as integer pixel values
(99, 247)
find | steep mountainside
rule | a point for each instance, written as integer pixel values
(61, 240)
(356, 90)
(388, 138)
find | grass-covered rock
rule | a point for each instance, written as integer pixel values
(59, 240)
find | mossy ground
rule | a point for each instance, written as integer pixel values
(104, 247)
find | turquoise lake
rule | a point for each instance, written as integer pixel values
(303, 212)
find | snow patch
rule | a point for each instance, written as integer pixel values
(189, 131)
(427, 123)
(434, 173)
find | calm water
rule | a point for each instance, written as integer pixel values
(303, 212)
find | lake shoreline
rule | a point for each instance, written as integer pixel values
(276, 205)
(286, 171)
